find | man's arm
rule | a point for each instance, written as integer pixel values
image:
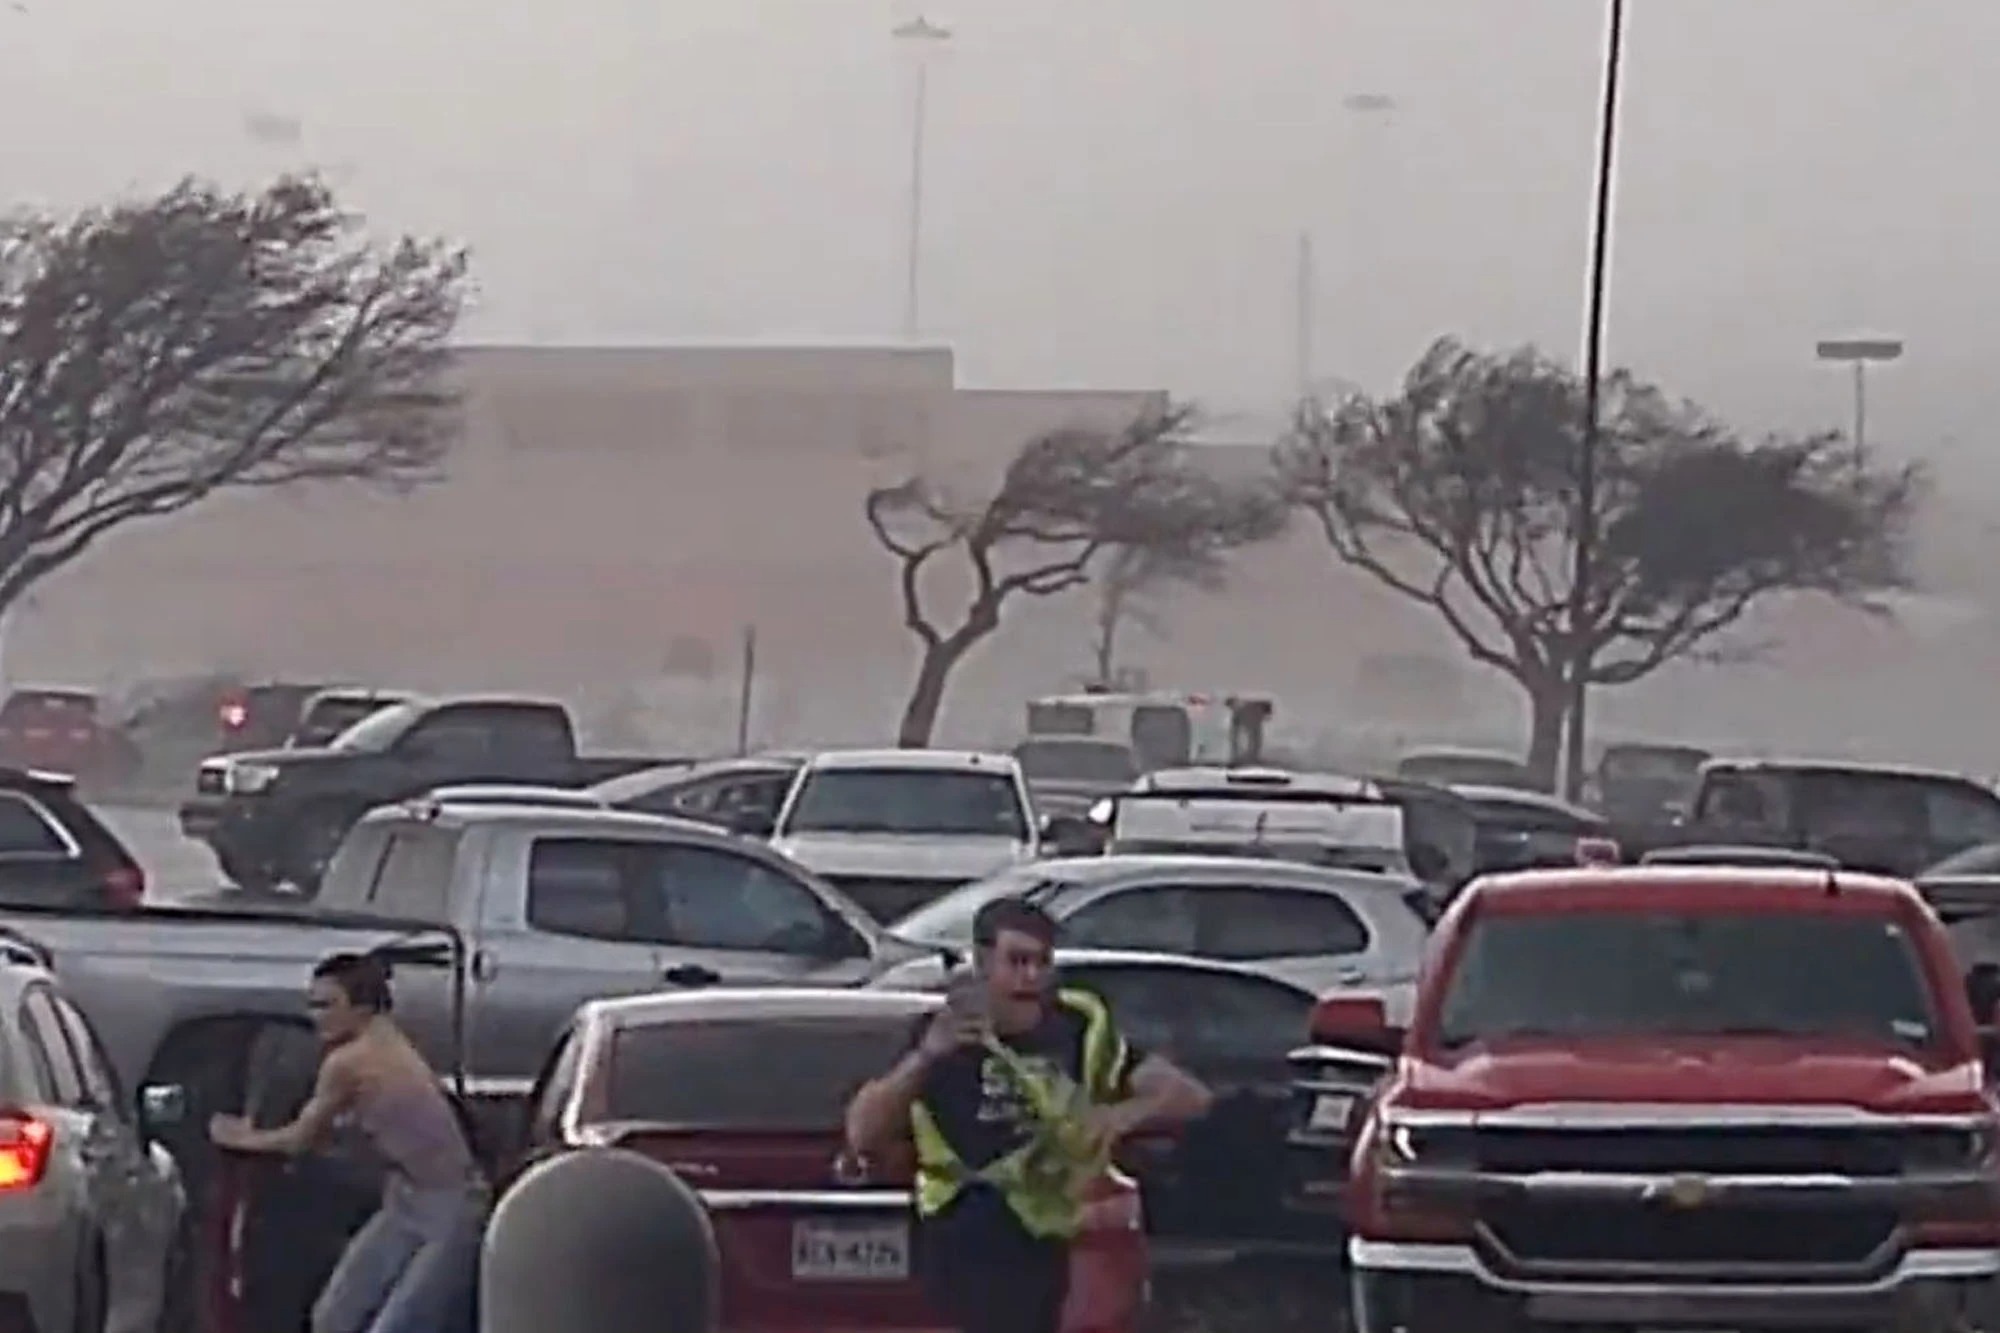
(333, 1092)
(879, 1114)
(1160, 1092)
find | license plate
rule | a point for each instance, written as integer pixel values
(1330, 1111)
(851, 1251)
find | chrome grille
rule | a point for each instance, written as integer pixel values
(1576, 1236)
(1716, 1150)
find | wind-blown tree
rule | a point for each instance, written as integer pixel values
(156, 351)
(1459, 493)
(1068, 501)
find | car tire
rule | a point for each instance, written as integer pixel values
(248, 878)
(314, 837)
(178, 1297)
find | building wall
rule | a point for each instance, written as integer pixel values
(614, 516)
(614, 520)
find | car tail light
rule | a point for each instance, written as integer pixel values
(125, 886)
(1598, 852)
(234, 714)
(24, 1150)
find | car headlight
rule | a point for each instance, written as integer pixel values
(249, 779)
(1101, 811)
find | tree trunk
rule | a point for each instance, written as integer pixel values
(1104, 649)
(1548, 708)
(920, 714)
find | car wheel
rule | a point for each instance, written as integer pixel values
(250, 879)
(177, 1291)
(314, 840)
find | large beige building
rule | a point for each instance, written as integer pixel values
(614, 519)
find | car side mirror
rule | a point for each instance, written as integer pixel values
(1677, 812)
(1355, 1022)
(162, 1106)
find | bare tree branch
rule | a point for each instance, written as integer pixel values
(154, 352)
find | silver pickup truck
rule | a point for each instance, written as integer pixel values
(553, 906)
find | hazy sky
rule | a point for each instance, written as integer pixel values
(1116, 186)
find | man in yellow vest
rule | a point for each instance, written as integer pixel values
(1013, 1095)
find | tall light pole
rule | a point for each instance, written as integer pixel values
(1580, 617)
(1858, 352)
(922, 36)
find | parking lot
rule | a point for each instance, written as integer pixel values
(175, 866)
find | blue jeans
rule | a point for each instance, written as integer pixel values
(413, 1268)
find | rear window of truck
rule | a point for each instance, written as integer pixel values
(1707, 973)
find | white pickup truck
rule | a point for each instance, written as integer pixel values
(894, 829)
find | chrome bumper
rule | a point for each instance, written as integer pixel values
(1665, 1302)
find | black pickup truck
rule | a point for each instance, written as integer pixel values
(275, 816)
(1872, 817)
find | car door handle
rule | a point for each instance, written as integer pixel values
(690, 974)
(1351, 976)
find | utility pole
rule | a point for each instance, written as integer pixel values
(1580, 610)
(922, 36)
(1304, 280)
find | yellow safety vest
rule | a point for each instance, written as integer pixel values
(1042, 1179)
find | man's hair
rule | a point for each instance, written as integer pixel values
(362, 977)
(1015, 914)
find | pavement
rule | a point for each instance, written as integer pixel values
(176, 867)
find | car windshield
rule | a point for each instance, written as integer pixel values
(692, 1073)
(939, 802)
(328, 718)
(1077, 761)
(379, 730)
(1648, 764)
(1620, 973)
(948, 920)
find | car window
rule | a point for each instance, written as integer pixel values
(1250, 923)
(918, 801)
(577, 886)
(1143, 1001)
(1152, 919)
(552, 1089)
(696, 798)
(1743, 801)
(49, 1049)
(99, 1080)
(708, 898)
(415, 875)
(691, 1073)
(1857, 805)
(27, 830)
(1226, 1019)
(1961, 816)
(451, 735)
(1981, 860)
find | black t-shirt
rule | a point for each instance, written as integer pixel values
(981, 1110)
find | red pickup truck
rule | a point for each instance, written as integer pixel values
(1675, 1097)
